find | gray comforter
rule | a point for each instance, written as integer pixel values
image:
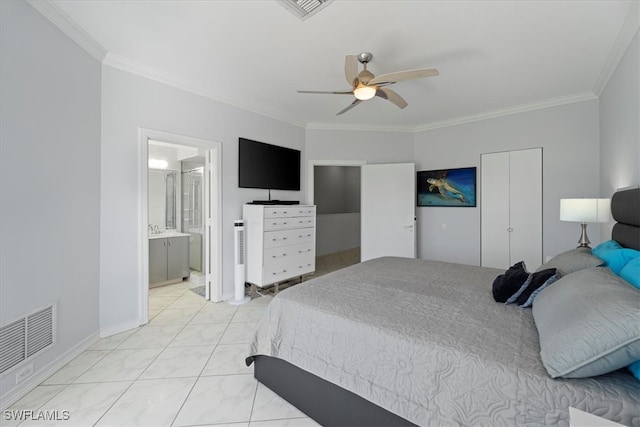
(426, 341)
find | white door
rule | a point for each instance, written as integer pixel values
(494, 210)
(511, 208)
(206, 244)
(525, 198)
(388, 212)
(212, 245)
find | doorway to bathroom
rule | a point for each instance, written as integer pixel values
(180, 215)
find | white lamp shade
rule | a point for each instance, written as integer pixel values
(365, 92)
(585, 210)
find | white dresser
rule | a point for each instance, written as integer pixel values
(281, 242)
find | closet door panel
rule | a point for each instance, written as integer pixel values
(494, 193)
(526, 207)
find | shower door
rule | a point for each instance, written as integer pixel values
(192, 215)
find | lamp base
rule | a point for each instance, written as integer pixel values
(584, 239)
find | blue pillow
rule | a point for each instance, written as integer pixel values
(605, 246)
(635, 369)
(631, 273)
(616, 259)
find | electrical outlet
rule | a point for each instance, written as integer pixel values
(24, 373)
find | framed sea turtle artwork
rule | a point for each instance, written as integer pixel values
(447, 187)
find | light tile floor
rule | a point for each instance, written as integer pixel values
(337, 260)
(184, 368)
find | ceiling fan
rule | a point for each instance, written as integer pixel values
(364, 85)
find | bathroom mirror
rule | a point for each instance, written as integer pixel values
(162, 198)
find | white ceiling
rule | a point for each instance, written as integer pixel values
(492, 55)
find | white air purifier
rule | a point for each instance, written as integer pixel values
(238, 233)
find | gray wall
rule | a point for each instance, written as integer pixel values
(620, 128)
(129, 102)
(568, 136)
(338, 232)
(49, 179)
(370, 146)
(336, 189)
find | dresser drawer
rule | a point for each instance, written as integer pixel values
(298, 262)
(287, 254)
(289, 223)
(289, 211)
(273, 239)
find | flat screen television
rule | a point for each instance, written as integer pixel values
(268, 166)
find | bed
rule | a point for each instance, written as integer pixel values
(396, 341)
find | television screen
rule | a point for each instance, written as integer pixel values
(268, 166)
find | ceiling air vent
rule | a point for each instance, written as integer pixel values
(304, 9)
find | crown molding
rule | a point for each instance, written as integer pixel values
(124, 64)
(523, 108)
(358, 127)
(68, 26)
(625, 36)
(516, 109)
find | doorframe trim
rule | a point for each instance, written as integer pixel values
(144, 135)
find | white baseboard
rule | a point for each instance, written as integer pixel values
(20, 390)
(121, 327)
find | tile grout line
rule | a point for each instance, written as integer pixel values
(144, 370)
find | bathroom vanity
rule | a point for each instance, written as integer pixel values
(168, 258)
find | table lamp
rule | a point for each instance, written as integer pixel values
(585, 211)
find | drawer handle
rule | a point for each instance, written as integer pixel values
(308, 250)
(303, 266)
(280, 272)
(275, 240)
(276, 256)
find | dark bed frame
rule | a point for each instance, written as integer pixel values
(325, 402)
(330, 405)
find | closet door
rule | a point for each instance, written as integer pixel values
(525, 207)
(511, 208)
(494, 209)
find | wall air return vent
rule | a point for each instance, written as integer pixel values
(304, 9)
(25, 337)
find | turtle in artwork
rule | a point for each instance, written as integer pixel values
(446, 189)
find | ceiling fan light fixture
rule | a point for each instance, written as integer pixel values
(363, 92)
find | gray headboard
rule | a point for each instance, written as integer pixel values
(625, 208)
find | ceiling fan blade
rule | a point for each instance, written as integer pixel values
(338, 92)
(389, 95)
(349, 107)
(399, 76)
(351, 68)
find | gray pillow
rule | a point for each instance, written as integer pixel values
(588, 324)
(572, 261)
